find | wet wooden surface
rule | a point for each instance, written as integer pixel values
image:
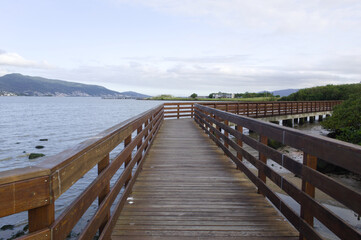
(188, 189)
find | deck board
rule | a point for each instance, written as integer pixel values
(188, 189)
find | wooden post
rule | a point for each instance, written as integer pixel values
(177, 111)
(128, 159)
(226, 133)
(239, 142)
(101, 166)
(279, 108)
(256, 109)
(238, 108)
(192, 110)
(309, 189)
(139, 130)
(146, 134)
(263, 158)
(41, 217)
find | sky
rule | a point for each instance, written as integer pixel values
(181, 47)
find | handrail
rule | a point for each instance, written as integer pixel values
(251, 109)
(216, 124)
(35, 189)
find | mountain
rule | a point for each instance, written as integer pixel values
(17, 84)
(284, 92)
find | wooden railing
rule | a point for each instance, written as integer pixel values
(35, 189)
(251, 109)
(217, 124)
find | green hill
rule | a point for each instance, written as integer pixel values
(17, 84)
(328, 92)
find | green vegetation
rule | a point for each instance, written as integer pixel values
(254, 95)
(345, 122)
(171, 98)
(328, 92)
(194, 95)
(35, 155)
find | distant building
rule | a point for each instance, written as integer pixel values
(223, 95)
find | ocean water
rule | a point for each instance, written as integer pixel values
(64, 122)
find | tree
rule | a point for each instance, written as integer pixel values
(345, 122)
(194, 95)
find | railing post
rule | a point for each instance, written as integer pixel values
(177, 111)
(263, 158)
(309, 189)
(139, 130)
(192, 110)
(247, 109)
(41, 217)
(101, 166)
(129, 158)
(237, 108)
(279, 108)
(226, 133)
(256, 109)
(239, 142)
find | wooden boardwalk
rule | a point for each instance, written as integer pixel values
(188, 189)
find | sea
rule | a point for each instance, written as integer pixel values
(56, 123)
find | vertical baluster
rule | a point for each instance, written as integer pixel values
(263, 158)
(226, 133)
(239, 142)
(309, 189)
(177, 111)
(106, 188)
(41, 217)
(139, 130)
(192, 110)
(128, 159)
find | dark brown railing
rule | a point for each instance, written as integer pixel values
(216, 123)
(251, 109)
(35, 189)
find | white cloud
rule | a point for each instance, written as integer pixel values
(270, 16)
(15, 60)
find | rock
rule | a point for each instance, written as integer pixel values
(39, 147)
(26, 228)
(7, 227)
(43, 139)
(24, 151)
(35, 155)
(17, 143)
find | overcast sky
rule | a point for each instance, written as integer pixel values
(183, 46)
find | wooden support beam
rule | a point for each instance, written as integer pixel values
(101, 166)
(128, 159)
(263, 158)
(41, 217)
(309, 189)
(226, 133)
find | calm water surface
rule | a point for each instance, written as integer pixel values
(65, 122)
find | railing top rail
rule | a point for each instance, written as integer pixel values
(53, 163)
(343, 154)
(206, 102)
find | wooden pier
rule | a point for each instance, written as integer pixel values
(188, 189)
(185, 178)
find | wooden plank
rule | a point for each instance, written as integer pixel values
(192, 193)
